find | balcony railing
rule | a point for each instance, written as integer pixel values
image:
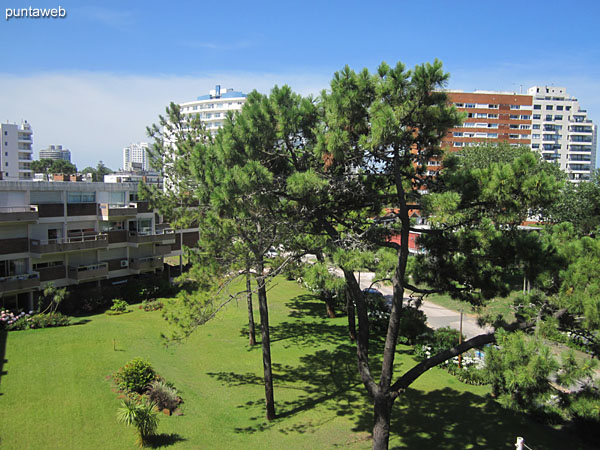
(18, 213)
(107, 210)
(20, 282)
(161, 236)
(89, 272)
(146, 264)
(71, 243)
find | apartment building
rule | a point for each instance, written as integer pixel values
(56, 152)
(71, 233)
(136, 158)
(212, 108)
(16, 153)
(562, 131)
(546, 119)
(491, 117)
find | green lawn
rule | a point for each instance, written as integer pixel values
(497, 306)
(54, 393)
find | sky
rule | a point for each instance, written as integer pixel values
(93, 80)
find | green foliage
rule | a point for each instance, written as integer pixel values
(141, 415)
(519, 370)
(135, 375)
(49, 166)
(152, 305)
(52, 297)
(119, 306)
(25, 321)
(436, 341)
(579, 205)
(413, 323)
(98, 172)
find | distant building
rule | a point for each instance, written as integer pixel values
(136, 157)
(16, 152)
(562, 131)
(148, 177)
(55, 153)
(546, 120)
(213, 108)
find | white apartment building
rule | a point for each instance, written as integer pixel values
(212, 108)
(562, 132)
(56, 152)
(136, 158)
(16, 151)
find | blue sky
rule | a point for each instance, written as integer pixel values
(93, 80)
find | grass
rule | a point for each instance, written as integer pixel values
(54, 392)
(499, 306)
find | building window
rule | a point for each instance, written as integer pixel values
(535, 145)
(537, 106)
(568, 108)
(513, 116)
(537, 117)
(469, 105)
(525, 117)
(559, 107)
(549, 118)
(549, 107)
(558, 117)
(81, 197)
(536, 126)
(535, 136)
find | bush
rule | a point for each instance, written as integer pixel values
(413, 323)
(135, 376)
(163, 395)
(431, 343)
(378, 313)
(119, 306)
(152, 305)
(26, 321)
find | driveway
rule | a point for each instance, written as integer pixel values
(437, 316)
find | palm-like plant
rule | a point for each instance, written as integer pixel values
(141, 415)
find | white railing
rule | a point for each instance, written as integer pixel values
(71, 239)
(18, 209)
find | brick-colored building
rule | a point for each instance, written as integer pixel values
(491, 117)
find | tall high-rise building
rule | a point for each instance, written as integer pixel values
(562, 131)
(136, 158)
(56, 152)
(16, 153)
(213, 108)
(546, 120)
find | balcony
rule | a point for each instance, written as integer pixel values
(164, 236)
(18, 213)
(108, 211)
(117, 236)
(52, 273)
(16, 283)
(69, 244)
(146, 264)
(161, 250)
(87, 273)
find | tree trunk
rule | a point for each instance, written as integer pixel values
(329, 305)
(251, 328)
(381, 429)
(266, 346)
(351, 316)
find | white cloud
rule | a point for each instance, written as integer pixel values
(95, 114)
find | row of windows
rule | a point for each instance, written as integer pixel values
(551, 107)
(212, 106)
(488, 106)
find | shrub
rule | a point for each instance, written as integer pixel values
(135, 375)
(142, 415)
(413, 323)
(435, 342)
(151, 305)
(26, 321)
(378, 313)
(163, 395)
(119, 306)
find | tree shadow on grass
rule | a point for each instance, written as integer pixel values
(325, 377)
(306, 306)
(450, 419)
(164, 440)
